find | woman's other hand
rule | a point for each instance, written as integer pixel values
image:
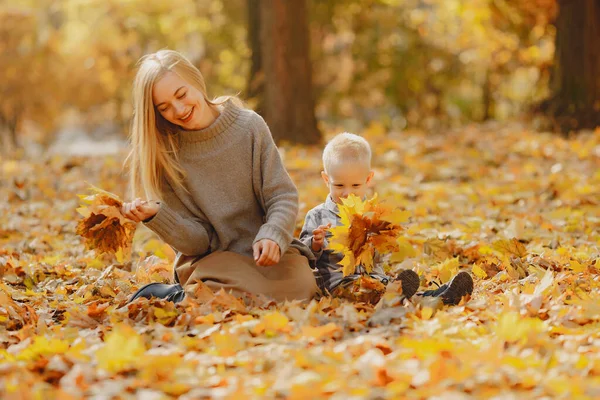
(140, 210)
(266, 252)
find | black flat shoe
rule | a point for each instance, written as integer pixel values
(174, 293)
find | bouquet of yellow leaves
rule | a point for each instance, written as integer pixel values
(366, 226)
(103, 227)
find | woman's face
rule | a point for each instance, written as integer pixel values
(179, 102)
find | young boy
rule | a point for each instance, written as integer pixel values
(347, 170)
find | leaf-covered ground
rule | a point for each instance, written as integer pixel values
(530, 330)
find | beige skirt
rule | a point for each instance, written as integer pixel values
(290, 279)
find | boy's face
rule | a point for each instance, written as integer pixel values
(345, 179)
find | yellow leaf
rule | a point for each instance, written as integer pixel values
(512, 272)
(426, 313)
(272, 323)
(447, 269)
(84, 211)
(120, 256)
(511, 247)
(353, 204)
(366, 259)
(512, 327)
(123, 350)
(42, 346)
(227, 344)
(576, 266)
(348, 263)
(398, 217)
(479, 272)
(485, 250)
(437, 248)
(405, 250)
(319, 332)
(165, 316)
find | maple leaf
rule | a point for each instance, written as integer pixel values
(447, 269)
(365, 228)
(103, 226)
(511, 247)
(272, 323)
(479, 272)
(405, 250)
(438, 248)
(123, 350)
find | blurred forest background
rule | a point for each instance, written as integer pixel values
(305, 65)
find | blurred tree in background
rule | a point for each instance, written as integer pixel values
(74, 55)
(288, 103)
(575, 102)
(398, 63)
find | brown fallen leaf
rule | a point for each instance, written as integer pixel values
(364, 289)
(510, 247)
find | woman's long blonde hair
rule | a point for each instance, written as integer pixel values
(154, 144)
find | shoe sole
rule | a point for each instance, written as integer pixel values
(410, 282)
(461, 285)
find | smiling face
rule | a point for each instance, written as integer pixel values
(181, 103)
(347, 178)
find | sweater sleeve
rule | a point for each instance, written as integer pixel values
(275, 187)
(179, 228)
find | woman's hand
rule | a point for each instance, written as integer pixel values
(266, 252)
(139, 210)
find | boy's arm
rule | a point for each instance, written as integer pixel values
(312, 221)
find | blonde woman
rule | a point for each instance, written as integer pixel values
(208, 180)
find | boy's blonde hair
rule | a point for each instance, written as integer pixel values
(346, 147)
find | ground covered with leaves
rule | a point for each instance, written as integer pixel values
(520, 210)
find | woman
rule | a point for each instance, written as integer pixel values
(214, 188)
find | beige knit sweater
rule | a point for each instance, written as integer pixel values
(238, 189)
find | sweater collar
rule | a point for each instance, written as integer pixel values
(228, 115)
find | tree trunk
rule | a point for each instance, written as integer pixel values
(288, 103)
(256, 79)
(8, 134)
(576, 76)
(487, 97)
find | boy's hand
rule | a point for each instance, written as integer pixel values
(319, 237)
(266, 252)
(140, 210)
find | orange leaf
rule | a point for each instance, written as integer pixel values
(97, 309)
(103, 227)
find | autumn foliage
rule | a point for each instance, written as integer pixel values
(515, 208)
(103, 226)
(366, 227)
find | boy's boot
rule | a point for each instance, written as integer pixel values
(453, 291)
